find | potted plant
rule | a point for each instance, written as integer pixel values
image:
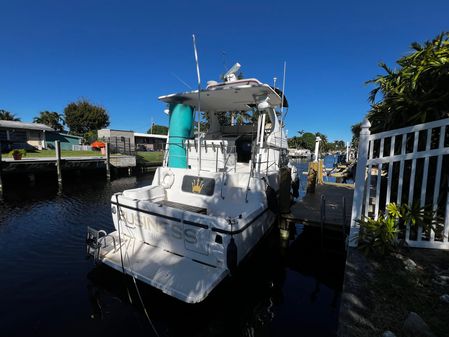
(17, 154)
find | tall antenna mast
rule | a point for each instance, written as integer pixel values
(199, 102)
(283, 90)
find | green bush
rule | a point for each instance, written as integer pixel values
(380, 236)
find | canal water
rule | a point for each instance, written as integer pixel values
(49, 288)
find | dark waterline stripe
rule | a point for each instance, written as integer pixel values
(196, 224)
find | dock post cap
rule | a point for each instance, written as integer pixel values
(365, 124)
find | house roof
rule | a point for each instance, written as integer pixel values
(149, 135)
(26, 126)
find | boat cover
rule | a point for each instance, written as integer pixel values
(181, 277)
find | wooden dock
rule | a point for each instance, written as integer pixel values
(330, 207)
(31, 166)
(40, 163)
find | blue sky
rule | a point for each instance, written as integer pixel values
(124, 54)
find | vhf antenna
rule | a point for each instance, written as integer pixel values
(283, 91)
(199, 102)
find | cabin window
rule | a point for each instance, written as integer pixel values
(237, 118)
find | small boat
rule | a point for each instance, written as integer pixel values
(213, 199)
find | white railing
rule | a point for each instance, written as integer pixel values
(222, 157)
(403, 166)
(215, 157)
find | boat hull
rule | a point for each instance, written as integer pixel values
(176, 266)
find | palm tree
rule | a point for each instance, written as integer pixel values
(417, 91)
(52, 119)
(8, 116)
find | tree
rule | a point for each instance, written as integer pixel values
(52, 119)
(355, 129)
(156, 129)
(340, 145)
(82, 117)
(305, 141)
(417, 91)
(8, 116)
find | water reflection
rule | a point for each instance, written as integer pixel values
(292, 291)
(48, 288)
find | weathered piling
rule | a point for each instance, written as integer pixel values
(284, 200)
(315, 175)
(58, 161)
(320, 178)
(108, 162)
(312, 177)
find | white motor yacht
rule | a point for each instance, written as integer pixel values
(212, 200)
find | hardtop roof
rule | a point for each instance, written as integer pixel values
(238, 95)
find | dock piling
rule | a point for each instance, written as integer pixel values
(58, 161)
(317, 148)
(108, 162)
(312, 177)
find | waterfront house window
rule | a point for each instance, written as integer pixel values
(35, 135)
(18, 136)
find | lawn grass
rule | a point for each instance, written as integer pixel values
(150, 157)
(52, 153)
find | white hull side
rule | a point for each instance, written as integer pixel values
(190, 277)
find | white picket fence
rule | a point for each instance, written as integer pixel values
(393, 166)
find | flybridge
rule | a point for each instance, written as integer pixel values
(237, 95)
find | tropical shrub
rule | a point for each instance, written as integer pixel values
(381, 236)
